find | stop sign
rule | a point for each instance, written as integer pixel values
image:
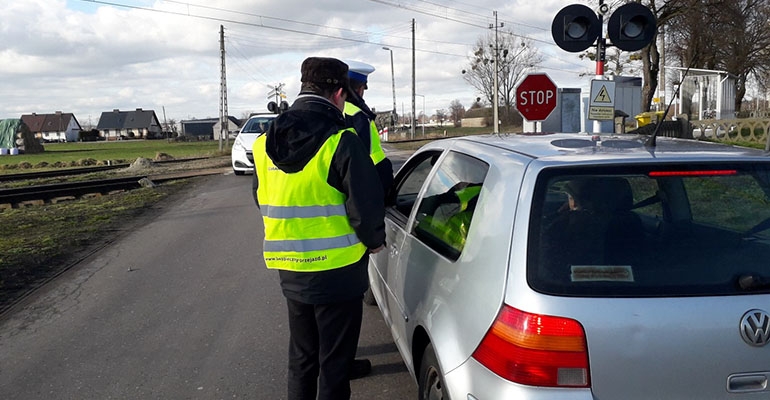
(536, 97)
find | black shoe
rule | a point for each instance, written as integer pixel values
(360, 368)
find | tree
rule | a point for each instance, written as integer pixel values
(618, 62)
(441, 116)
(456, 112)
(736, 41)
(515, 58)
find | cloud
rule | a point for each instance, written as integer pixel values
(85, 57)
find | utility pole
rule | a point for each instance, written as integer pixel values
(165, 123)
(224, 120)
(414, 110)
(495, 100)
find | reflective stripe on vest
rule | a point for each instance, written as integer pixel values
(306, 224)
(376, 153)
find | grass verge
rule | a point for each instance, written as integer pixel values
(57, 155)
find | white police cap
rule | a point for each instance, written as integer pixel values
(359, 71)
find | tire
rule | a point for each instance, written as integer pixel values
(369, 298)
(430, 379)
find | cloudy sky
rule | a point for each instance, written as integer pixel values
(89, 56)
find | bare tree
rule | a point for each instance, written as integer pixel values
(456, 112)
(515, 58)
(725, 35)
(618, 62)
(441, 116)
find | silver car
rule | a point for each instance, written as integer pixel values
(241, 157)
(566, 266)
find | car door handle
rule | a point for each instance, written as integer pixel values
(744, 383)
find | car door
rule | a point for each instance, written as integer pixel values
(432, 241)
(406, 187)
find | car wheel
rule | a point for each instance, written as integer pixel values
(369, 298)
(430, 381)
(239, 172)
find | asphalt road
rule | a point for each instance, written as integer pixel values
(180, 308)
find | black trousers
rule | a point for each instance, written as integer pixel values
(322, 346)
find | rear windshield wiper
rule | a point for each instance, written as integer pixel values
(749, 282)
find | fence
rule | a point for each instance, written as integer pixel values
(733, 130)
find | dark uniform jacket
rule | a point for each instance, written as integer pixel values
(360, 122)
(292, 140)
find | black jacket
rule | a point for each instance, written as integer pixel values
(360, 122)
(292, 140)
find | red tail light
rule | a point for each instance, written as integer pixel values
(536, 350)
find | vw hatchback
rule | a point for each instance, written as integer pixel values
(568, 266)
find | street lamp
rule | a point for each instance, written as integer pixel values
(423, 112)
(393, 80)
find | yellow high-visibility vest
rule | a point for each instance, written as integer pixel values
(306, 224)
(375, 148)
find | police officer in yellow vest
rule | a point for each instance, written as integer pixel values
(361, 118)
(322, 207)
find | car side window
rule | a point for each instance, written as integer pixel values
(445, 212)
(409, 183)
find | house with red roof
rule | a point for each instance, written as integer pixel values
(56, 127)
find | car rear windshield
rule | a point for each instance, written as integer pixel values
(673, 230)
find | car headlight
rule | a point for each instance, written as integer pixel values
(238, 146)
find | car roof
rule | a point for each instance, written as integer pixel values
(571, 147)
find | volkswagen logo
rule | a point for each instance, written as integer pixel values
(755, 327)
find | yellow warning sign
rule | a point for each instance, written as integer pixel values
(603, 96)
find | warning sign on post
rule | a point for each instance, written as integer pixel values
(602, 105)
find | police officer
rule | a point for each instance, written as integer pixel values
(322, 207)
(361, 118)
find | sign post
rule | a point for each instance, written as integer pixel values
(536, 97)
(602, 104)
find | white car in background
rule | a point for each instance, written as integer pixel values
(242, 159)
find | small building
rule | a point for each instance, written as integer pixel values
(138, 124)
(199, 128)
(209, 128)
(56, 127)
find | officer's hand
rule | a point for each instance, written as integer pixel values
(377, 250)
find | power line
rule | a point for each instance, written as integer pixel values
(262, 25)
(475, 6)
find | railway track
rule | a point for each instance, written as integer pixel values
(80, 171)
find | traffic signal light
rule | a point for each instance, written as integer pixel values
(575, 28)
(631, 27)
